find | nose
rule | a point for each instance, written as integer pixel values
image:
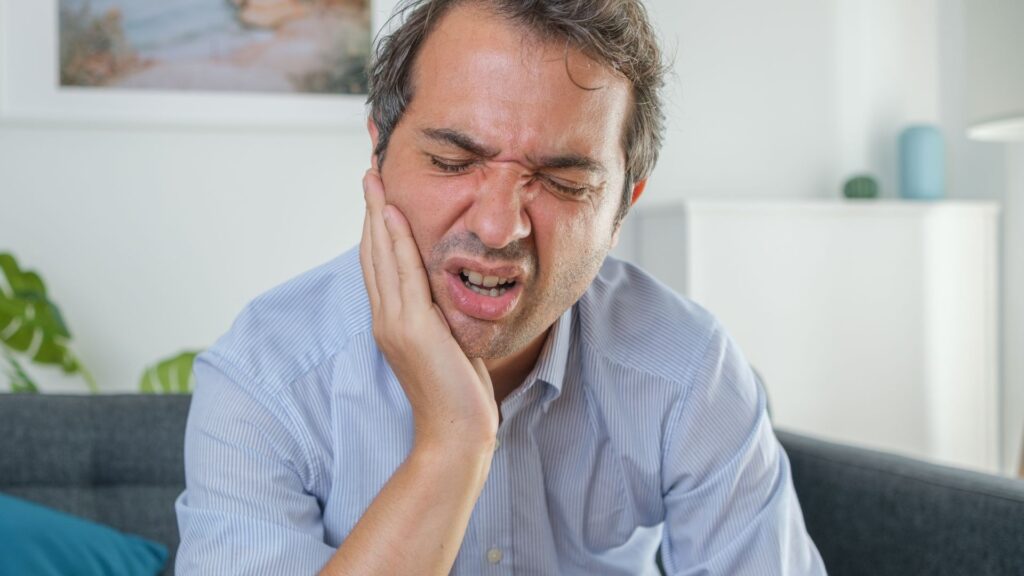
(498, 214)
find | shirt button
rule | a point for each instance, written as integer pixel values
(494, 555)
(497, 444)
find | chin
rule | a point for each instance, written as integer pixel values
(485, 342)
(488, 341)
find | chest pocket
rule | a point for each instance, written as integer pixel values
(609, 518)
(588, 497)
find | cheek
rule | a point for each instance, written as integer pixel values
(569, 241)
(428, 206)
(588, 226)
(572, 249)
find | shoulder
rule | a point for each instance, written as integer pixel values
(295, 327)
(630, 318)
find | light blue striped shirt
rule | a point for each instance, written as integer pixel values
(641, 425)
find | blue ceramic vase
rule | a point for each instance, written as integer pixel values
(922, 163)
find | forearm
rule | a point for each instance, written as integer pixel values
(416, 523)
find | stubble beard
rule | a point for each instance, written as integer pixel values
(535, 311)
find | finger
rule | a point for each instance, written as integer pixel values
(381, 251)
(412, 276)
(366, 260)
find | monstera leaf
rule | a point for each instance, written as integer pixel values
(170, 376)
(31, 324)
(20, 382)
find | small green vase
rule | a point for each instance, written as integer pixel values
(860, 187)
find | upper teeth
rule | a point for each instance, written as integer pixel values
(481, 280)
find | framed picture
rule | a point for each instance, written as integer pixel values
(245, 63)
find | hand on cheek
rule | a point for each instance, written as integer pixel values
(451, 396)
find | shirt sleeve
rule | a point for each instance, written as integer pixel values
(729, 500)
(245, 508)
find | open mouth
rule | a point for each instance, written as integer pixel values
(492, 286)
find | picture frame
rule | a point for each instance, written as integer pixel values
(30, 91)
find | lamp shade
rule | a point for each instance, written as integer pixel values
(995, 69)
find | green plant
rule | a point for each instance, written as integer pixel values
(20, 381)
(170, 376)
(31, 327)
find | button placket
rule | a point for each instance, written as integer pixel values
(497, 536)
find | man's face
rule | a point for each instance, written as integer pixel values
(507, 170)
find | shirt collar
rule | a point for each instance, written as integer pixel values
(554, 358)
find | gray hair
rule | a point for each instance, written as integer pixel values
(616, 33)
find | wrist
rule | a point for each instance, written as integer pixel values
(451, 448)
(463, 437)
(459, 468)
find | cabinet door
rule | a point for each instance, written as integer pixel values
(872, 324)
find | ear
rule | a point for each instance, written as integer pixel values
(371, 127)
(638, 189)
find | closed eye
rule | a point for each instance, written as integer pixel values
(555, 185)
(450, 166)
(574, 190)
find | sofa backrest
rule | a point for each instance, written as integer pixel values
(115, 459)
(886, 515)
(118, 460)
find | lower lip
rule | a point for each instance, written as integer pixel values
(479, 306)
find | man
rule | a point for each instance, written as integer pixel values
(478, 390)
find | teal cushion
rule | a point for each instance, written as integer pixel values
(44, 542)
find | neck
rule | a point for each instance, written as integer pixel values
(508, 373)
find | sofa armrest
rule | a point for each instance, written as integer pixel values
(880, 514)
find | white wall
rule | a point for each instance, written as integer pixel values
(152, 241)
(887, 77)
(752, 108)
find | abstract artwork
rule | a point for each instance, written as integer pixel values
(275, 46)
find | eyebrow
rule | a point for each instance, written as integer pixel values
(466, 142)
(456, 138)
(578, 161)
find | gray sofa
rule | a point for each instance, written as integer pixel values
(117, 459)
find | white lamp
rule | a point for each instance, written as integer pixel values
(995, 69)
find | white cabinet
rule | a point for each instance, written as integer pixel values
(873, 322)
